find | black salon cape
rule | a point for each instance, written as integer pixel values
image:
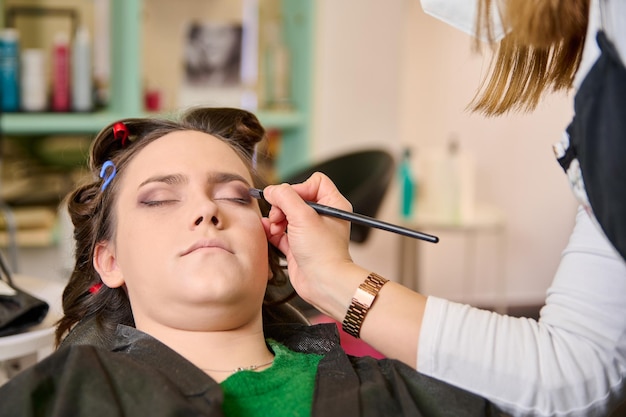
(140, 376)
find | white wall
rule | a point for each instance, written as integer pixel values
(356, 88)
(388, 75)
(356, 93)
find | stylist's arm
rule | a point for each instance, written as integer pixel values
(323, 273)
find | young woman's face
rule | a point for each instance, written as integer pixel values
(189, 246)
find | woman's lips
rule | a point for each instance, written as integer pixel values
(206, 244)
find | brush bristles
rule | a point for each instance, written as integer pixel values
(256, 193)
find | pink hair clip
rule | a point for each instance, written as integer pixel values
(120, 132)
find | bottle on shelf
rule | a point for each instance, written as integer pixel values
(408, 185)
(81, 74)
(461, 183)
(33, 80)
(277, 69)
(61, 73)
(9, 70)
(449, 184)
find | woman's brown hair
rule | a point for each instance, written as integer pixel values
(91, 210)
(541, 51)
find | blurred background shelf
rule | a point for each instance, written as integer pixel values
(128, 43)
(24, 124)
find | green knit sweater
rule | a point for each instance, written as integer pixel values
(284, 389)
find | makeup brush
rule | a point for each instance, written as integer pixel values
(359, 219)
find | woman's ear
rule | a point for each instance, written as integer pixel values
(105, 263)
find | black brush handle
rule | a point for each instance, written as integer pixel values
(360, 219)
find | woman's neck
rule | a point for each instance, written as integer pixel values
(218, 353)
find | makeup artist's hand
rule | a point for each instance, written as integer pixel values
(322, 272)
(316, 246)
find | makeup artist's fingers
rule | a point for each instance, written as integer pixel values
(276, 235)
(317, 188)
(276, 222)
(278, 227)
(276, 215)
(288, 203)
(315, 245)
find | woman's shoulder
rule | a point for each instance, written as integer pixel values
(70, 372)
(86, 380)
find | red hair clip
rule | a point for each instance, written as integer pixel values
(120, 132)
(95, 288)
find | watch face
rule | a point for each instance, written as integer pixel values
(362, 300)
(365, 296)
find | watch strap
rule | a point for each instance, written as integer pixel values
(362, 301)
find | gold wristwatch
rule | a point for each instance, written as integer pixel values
(362, 301)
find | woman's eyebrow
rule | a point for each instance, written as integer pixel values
(213, 178)
(172, 179)
(226, 177)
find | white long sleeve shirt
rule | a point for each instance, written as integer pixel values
(572, 362)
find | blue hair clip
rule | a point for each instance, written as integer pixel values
(110, 176)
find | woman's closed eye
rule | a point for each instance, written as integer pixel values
(233, 193)
(244, 200)
(158, 198)
(157, 203)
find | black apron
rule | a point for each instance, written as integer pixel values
(595, 160)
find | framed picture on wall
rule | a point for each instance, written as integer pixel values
(220, 61)
(213, 54)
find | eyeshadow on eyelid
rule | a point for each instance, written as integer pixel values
(236, 189)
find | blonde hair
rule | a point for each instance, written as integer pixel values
(541, 51)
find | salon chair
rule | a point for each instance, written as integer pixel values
(361, 176)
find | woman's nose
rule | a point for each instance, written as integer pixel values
(206, 211)
(200, 219)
